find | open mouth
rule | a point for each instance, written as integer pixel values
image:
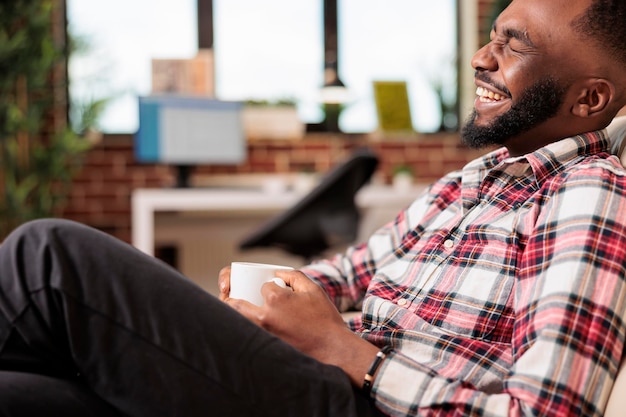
(487, 96)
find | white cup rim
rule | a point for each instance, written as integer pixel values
(260, 265)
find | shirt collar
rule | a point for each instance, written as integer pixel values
(544, 160)
(553, 157)
(541, 164)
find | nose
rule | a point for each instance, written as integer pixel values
(484, 59)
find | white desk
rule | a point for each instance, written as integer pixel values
(205, 221)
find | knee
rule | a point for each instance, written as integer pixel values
(42, 229)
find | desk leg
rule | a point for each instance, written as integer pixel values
(142, 226)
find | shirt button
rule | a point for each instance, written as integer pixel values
(448, 243)
(402, 302)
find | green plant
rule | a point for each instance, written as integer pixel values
(272, 103)
(402, 170)
(39, 153)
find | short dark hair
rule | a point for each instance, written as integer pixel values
(604, 23)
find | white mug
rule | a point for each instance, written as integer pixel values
(247, 278)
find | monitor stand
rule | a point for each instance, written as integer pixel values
(183, 173)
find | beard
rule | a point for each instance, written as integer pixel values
(538, 103)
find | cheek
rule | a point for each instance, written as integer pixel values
(520, 72)
(518, 78)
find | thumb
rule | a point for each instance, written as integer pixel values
(296, 280)
(245, 308)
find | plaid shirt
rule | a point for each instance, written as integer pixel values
(501, 288)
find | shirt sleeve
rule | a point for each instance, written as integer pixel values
(570, 304)
(346, 276)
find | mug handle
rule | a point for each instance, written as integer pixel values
(279, 282)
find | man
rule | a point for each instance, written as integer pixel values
(500, 291)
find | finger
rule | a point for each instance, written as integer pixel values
(245, 308)
(296, 280)
(272, 292)
(223, 282)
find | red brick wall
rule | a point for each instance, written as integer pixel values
(101, 193)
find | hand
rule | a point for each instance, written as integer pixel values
(286, 309)
(223, 283)
(304, 317)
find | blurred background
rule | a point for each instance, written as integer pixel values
(313, 81)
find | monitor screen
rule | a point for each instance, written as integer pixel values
(189, 131)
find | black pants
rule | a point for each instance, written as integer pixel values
(81, 306)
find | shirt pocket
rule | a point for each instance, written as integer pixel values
(471, 293)
(478, 306)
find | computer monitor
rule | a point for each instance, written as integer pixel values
(189, 131)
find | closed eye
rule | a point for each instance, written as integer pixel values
(517, 40)
(518, 36)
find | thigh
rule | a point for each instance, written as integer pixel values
(364, 406)
(17, 355)
(25, 395)
(146, 339)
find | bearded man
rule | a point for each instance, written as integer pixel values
(499, 291)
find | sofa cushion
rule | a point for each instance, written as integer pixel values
(617, 132)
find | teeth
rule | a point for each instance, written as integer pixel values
(487, 95)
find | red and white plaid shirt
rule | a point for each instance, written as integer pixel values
(501, 288)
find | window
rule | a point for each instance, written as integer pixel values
(399, 40)
(269, 50)
(409, 40)
(122, 37)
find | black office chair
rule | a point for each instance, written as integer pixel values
(325, 217)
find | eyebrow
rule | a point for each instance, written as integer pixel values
(520, 35)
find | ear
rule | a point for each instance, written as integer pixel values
(594, 97)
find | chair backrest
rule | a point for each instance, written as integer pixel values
(326, 216)
(616, 405)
